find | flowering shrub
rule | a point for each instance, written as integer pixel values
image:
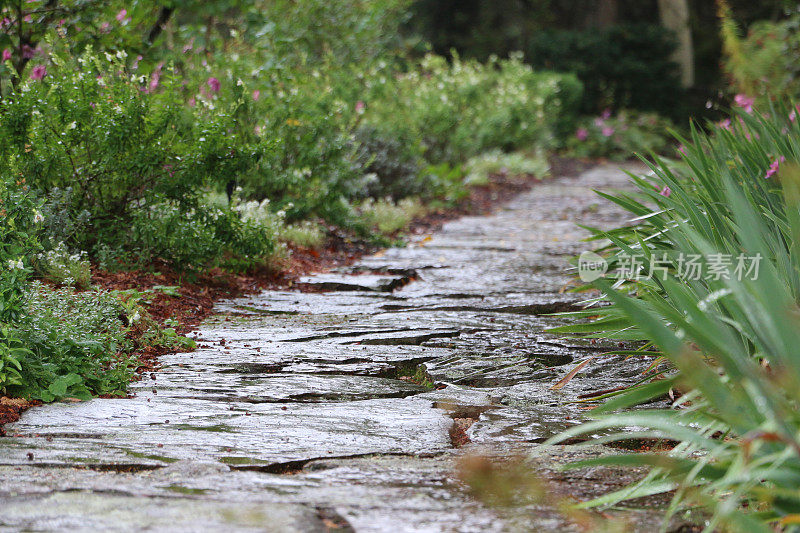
(62, 267)
(461, 109)
(96, 127)
(619, 136)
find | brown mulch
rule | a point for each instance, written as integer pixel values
(198, 294)
(10, 409)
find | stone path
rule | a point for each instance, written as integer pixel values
(299, 411)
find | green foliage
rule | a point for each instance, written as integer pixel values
(307, 234)
(76, 344)
(388, 217)
(60, 267)
(91, 126)
(730, 338)
(764, 63)
(391, 162)
(479, 168)
(620, 136)
(19, 220)
(462, 108)
(626, 66)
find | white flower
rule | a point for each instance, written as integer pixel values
(37, 217)
(15, 265)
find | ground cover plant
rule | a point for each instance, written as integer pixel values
(706, 285)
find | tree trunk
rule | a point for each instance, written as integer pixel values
(675, 16)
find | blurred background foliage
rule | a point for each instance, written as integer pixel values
(619, 48)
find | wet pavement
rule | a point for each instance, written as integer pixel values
(347, 408)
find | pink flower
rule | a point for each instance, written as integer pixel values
(27, 52)
(682, 150)
(606, 114)
(582, 134)
(745, 102)
(256, 95)
(192, 102)
(214, 84)
(27, 18)
(725, 124)
(104, 27)
(6, 54)
(360, 107)
(38, 72)
(599, 122)
(793, 113)
(774, 167)
(121, 15)
(154, 80)
(666, 191)
(608, 131)
(188, 47)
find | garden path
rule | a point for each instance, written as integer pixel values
(347, 407)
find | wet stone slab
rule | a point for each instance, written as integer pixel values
(306, 411)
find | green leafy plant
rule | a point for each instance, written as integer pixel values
(723, 344)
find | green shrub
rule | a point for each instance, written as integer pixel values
(93, 127)
(462, 108)
(764, 63)
(620, 136)
(447, 185)
(307, 234)
(391, 161)
(19, 228)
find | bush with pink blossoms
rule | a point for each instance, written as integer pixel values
(619, 136)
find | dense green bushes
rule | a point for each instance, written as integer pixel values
(462, 108)
(709, 281)
(621, 67)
